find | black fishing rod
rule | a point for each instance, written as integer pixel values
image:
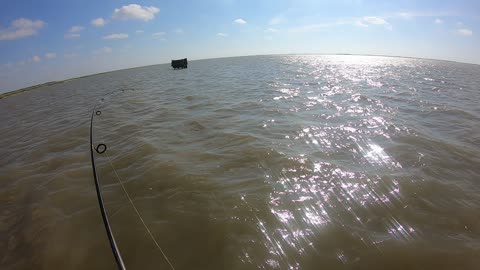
(101, 148)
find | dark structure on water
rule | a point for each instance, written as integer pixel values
(181, 63)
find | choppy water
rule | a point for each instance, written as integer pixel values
(272, 162)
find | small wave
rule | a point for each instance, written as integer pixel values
(195, 126)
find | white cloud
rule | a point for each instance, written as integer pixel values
(21, 28)
(462, 30)
(240, 21)
(98, 22)
(73, 32)
(272, 30)
(115, 36)
(415, 14)
(107, 50)
(374, 20)
(319, 26)
(50, 55)
(70, 55)
(268, 37)
(222, 35)
(310, 27)
(139, 31)
(26, 23)
(406, 15)
(276, 20)
(36, 58)
(159, 34)
(71, 35)
(76, 29)
(465, 32)
(360, 24)
(103, 50)
(135, 12)
(438, 21)
(179, 31)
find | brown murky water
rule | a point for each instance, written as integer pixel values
(273, 162)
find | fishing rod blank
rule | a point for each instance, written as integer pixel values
(101, 148)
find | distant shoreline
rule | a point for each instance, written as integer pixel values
(19, 91)
(33, 87)
(22, 90)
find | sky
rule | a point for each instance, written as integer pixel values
(49, 40)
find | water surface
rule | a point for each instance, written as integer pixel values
(266, 162)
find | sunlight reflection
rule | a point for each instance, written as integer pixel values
(334, 171)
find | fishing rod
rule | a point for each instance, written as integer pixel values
(101, 148)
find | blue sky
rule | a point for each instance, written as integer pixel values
(49, 40)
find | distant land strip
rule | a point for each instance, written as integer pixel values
(19, 91)
(4, 95)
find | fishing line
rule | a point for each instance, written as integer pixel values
(100, 149)
(138, 213)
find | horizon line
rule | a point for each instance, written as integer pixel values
(40, 85)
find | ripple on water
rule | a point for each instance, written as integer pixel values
(271, 162)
